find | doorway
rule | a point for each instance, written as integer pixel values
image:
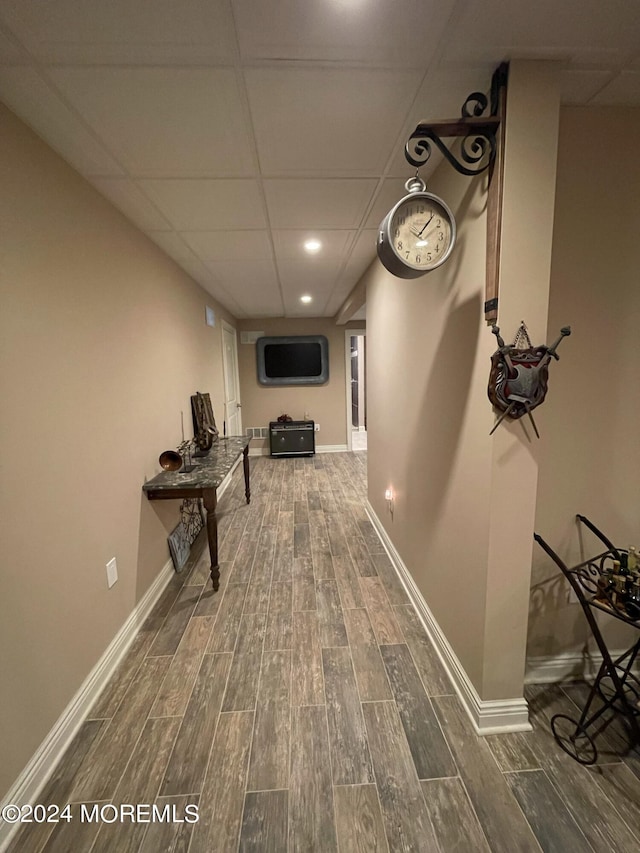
(355, 353)
(232, 406)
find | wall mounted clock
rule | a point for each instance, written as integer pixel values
(418, 234)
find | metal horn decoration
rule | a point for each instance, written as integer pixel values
(519, 375)
(178, 459)
(170, 460)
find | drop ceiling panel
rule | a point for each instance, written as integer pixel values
(36, 103)
(159, 121)
(128, 198)
(229, 245)
(339, 296)
(206, 279)
(198, 271)
(314, 277)
(95, 32)
(579, 86)
(224, 297)
(208, 205)
(392, 191)
(402, 33)
(291, 106)
(545, 28)
(252, 283)
(611, 57)
(623, 89)
(329, 203)
(447, 87)
(363, 253)
(172, 244)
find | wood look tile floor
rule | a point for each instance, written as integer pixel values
(303, 708)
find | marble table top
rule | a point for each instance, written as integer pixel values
(208, 472)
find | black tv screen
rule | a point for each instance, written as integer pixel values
(294, 360)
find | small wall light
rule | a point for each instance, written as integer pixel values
(389, 497)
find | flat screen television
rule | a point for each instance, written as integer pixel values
(293, 360)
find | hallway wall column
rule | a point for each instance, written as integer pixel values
(533, 105)
(464, 501)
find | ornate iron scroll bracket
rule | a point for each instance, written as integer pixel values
(478, 132)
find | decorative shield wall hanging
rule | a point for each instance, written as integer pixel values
(520, 374)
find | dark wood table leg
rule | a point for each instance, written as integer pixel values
(210, 500)
(245, 464)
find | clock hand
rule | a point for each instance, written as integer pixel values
(431, 232)
(419, 233)
(425, 225)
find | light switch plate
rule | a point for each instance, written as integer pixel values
(210, 316)
(112, 572)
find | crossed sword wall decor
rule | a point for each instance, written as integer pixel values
(519, 375)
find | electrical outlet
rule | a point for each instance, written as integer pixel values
(112, 572)
(317, 427)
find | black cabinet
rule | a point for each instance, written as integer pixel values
(292, 438)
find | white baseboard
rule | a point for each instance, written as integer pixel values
(488, 717)
(35, 775)
(573, 666)
(224, 485)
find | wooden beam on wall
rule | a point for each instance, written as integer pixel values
(494, 208)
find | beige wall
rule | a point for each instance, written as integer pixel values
(590, 460)
(326, 404)
(428, 423)
(465, 501)
(103, 340)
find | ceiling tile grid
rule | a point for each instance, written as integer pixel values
(290, 108)
(185, 122)
(313, 203)
(231, 131)
(123, 32)
(208, 204)
(404, 33)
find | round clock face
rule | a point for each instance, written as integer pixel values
(417, 235)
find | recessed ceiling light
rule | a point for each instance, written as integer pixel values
(305, 298)
(312, 246)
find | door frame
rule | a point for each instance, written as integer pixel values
(225, 326)
(348, 334)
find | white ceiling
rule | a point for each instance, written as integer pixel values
(231, 130)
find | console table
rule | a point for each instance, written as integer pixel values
(203, 482)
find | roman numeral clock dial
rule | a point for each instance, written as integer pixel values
(418, 233)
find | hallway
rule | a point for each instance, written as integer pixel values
(303, 708)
